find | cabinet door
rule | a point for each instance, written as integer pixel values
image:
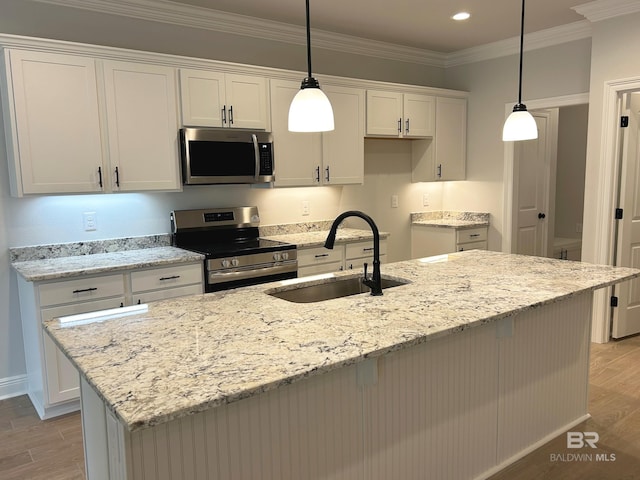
(451, 138)
(142, 120)
(343, 148)
(419, 115)
(52, 123)
(62, 380)
(384, 113)
(297, 156)
(247, 102)
(202, 94)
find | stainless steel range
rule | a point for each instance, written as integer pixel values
(235, 254)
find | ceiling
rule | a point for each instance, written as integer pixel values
(422, 24)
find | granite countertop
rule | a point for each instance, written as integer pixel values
(193, 353)
(96, 263)
(447, 219)
(317, 238)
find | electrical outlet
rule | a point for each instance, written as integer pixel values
(394, 201)
(578, 228)
(425, 199)
(90, 221)
(306, 209)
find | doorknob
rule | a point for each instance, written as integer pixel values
(541, 215)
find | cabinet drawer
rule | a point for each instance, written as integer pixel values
(81, 289)
(146, 297)
(364, 249)
(471, 235)
(473, 246)
(313, 256)
(166, 277)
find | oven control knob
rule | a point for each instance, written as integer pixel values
(226, 263)
(277, 256)
(285, 256)
(235, 262)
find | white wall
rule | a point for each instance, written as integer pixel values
(570, 171)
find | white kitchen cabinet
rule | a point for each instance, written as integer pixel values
(404, 115)
(52, 380)
(218, 99)
(328, 158)
(444, 156)
(51, 121)
(72, 130)
(142, 122)
(344, 256)
(427, 240)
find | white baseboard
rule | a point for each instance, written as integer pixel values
(13, 386)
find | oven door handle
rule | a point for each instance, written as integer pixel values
(252, 272)
(256, 151)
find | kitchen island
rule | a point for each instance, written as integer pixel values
(479, 359)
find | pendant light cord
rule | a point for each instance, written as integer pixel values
(309, 41)
(521, 50)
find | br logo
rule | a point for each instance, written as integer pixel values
(582, 439)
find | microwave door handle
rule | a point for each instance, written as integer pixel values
(256, 150)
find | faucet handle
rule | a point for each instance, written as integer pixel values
(365, 270)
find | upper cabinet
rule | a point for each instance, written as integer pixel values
(401, 115)
(142, 124)
(60, 140)
(217, 99)
(52, 124)
(444, 156)
(328, 158)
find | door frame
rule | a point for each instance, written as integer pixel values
(508, 172)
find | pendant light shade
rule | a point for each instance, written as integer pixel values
(520, 125)
(310, 110)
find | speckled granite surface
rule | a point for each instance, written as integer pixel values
(71, 266)
(59, 250)
(448, 219)
(317, 238)
(194, 353)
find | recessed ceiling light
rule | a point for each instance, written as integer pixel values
(461, 16)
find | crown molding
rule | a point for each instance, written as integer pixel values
(605, 9)
(197, 17)
(532, 41)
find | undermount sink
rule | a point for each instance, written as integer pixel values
(336, 288)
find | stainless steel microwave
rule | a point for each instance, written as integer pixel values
(214, 156)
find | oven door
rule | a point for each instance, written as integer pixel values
(250, 275)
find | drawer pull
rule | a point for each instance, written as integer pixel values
(92, 289)
(173, 277)
(322, 255)
(473, 235)
(367, 249)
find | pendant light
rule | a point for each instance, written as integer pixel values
(310, 110)
(520, 125)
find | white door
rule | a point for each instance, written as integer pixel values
(626, 317)
(533, 165)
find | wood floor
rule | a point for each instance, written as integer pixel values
(52, 449)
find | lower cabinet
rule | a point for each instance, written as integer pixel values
(427, 241)
(352, 255)
(53, 385)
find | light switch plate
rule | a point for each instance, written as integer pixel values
(394, 201)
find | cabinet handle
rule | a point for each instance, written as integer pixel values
(368, 249)
(117, 178)
(473, 235)
(440, 170)
(139, 301)
(400, 125)
(121, 304)
(322, 255)
(173, 277)
(327, 176)
(318, 174)
(83, 290)
(407, 127)
(231, 115)
(100, 176)
(541, 216)
(224, 114)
